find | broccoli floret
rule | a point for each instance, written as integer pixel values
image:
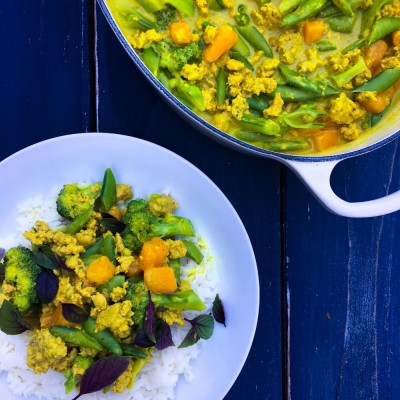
(173, 58)
(137, 293)
(164, 17)
(190, 94)
(141, 225)
(21, 271)
(74, 200)
(185, 7)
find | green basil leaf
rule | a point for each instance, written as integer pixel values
(11, 322)
(108, 193)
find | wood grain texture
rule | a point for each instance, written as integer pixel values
(342, 280)
(129, 105)
(44, 71)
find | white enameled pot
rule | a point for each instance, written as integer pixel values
(314, 171)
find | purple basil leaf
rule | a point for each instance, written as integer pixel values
(62, 265)
(46, 286)
(102, 373)
(46, 258)
(2, 253)
(203, 325)
(165, 338)
(150, 320)
(73, 313)
(111, 223)
(218, 310)
(191, 338)
(142, 340)
(11, 322)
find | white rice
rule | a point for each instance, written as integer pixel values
(157, 379)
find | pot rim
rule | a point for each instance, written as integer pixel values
(225, 137)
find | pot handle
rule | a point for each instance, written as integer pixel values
(316, 176)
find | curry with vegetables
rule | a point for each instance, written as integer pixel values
(297, 76)
(101, 290)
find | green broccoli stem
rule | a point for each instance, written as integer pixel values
(189, 92)
(347, 75)
(172, 225)
(185, 7)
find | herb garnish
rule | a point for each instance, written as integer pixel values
(102, 373)
(218, 310)
(150, 320)
(73, 313)
(202, 328)
(11, 321)
(111, 223)
(46, 258)
(47, 286)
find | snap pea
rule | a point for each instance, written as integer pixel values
(286, 145)
(252, 137)
(298, 80)
(369, 15)
(193, 251)
(78, 222)
(76, 337)
(375, 118)
(344, 6)
(104, 337)
(108, 248)
(240, 57)
(240, 44)
(261, 125)
(355, 45)
(133, 351)
(112, 283)
(176, 265)
(94, 248)
(255, 38)
(257, 103)
(287, 6)
(383, 27)
(305, 10)
(341, 23)
(293, 94)
(108, 194)
(221, 86)
(152, 59)
(381, 82)
(325, 45)
(87, 260)
(328, 11)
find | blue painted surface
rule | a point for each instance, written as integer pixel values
(329, 315)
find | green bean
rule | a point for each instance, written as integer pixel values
(325, 45)
(108, 248)
(104, 337)
(76, 337)
(108, 193)
(300, 81)
(341, 23)
(382, 28)
(369, 15)
(380, 82)
(293, 94)
(112, 283)
(286, 145)
(287, 6)
(78, 222)
(193, 251)
(240, 57)
(255, 38)
(257, 103)
(252, 137)
(306, 10)
(221, 86)
(355, 45)
(347, 75)
(152, 59)
(344, 6)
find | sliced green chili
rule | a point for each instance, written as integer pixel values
(380, 82)
(255, 38)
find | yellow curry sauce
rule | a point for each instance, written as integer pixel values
(297, 76)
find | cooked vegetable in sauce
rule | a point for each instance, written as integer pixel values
(101, 289)
(298, 76)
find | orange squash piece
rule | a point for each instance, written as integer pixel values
(374, 53)
(326, 138)
(224, 39)
(313, 31)
(160, 280)
(153, 253)
(55, 318)
(382, 101)
(180, 32)
(396, 38)
(100, 270)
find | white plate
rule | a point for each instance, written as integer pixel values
(151, 168)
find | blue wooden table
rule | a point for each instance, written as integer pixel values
(329, 323)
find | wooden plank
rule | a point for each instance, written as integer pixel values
(129, 105)
(342, 276)
(44, 72)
